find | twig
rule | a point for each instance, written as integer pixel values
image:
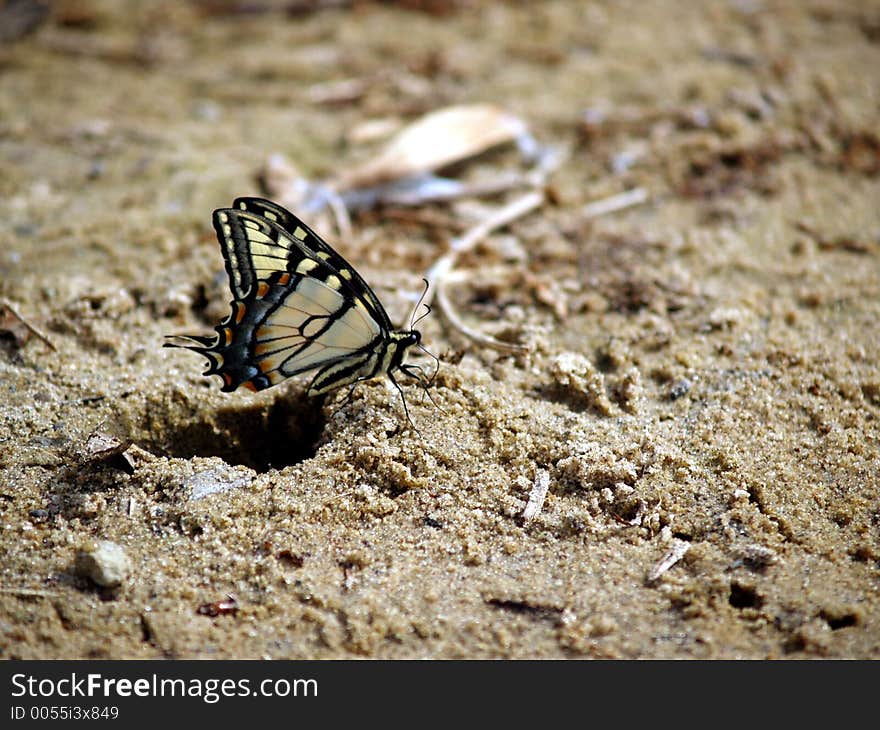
(444, 265)
(614, 203)
(537, 496)
(29, 592)
(30, 328)
(499, 219)
(445, 306)
(439, 273)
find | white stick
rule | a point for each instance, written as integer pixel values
(537, 495)
(438, 273)
(612, 204)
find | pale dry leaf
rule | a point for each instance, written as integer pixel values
(673, 555)
(434, 141)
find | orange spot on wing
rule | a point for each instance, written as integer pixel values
(227, 378)
(284, 279)
(240, 309)
(262, 290)
(227, 335)
(250, 386)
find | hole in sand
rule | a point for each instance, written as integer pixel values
(260, 435)
(744, 597)
(837, 621)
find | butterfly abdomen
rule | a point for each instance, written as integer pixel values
(380, 357)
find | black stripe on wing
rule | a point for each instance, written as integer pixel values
(288, 324)
(304, 235)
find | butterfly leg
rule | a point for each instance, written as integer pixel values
(421, 378)
(403, 398)
(435, 358)
(345, 401)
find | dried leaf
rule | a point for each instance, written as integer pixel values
(434, 141)
(105, 448)
(100, 446)
(673, 555)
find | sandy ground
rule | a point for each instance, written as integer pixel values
(701, 393)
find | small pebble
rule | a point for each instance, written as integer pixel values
(679, 389)
(104, 562)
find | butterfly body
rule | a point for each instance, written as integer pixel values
(297, 306)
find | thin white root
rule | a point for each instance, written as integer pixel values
(445, 306)
(438, 274)
(614, 203)
(500, 218)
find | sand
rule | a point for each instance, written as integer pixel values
(699, 398)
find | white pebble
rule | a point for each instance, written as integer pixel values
(104, 562)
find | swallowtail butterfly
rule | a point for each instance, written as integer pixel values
(297, 306)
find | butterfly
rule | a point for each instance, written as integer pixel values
(297, 306)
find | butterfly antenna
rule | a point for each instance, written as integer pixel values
(427, 312)
(413, 321)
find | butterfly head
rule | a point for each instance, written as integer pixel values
(402, 340)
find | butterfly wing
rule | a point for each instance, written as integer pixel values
(293, 310)
(310, 240)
